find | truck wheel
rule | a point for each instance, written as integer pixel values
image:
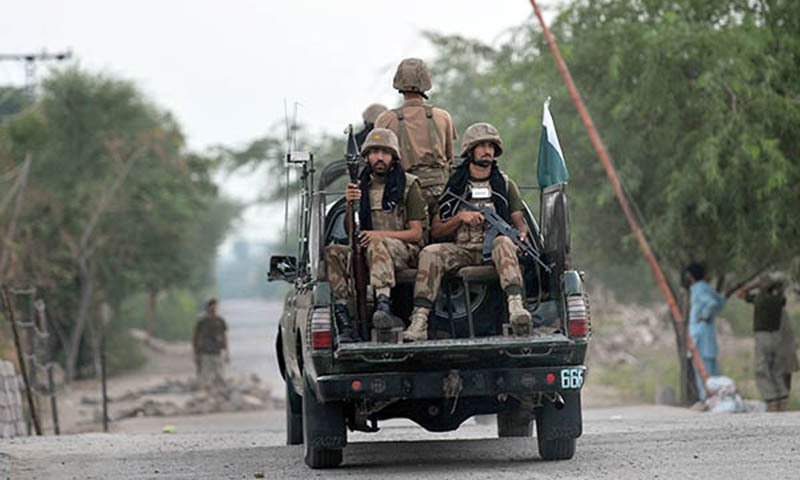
(294, 415)
(560, 449)
(558, 424)
(514, 423)
(324, 430)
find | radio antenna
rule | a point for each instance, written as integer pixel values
(286, 184)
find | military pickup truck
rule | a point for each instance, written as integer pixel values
(470, 366)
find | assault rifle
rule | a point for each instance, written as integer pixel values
(358, 258)
(498, 226)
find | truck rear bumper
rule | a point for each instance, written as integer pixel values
(441, 384)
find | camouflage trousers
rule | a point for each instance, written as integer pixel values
(384, 256)
(441, 258)
(210, 373)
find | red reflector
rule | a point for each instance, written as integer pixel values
(578, 327)
(356, 385)
(320, 340)
(551, 378)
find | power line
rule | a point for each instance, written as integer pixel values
(29, 61)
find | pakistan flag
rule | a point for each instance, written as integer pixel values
(552, 169)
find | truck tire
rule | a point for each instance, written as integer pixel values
(558, 425)
(294, 416)
(514, 423)
(324, 430)
(560, 449)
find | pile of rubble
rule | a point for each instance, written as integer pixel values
(175, 397)
(634, 326)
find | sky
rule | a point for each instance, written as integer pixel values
(226, 69)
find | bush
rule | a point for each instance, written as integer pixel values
(176, 314)
(123, 352)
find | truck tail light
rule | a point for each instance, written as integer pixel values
(578, 317)
(320, 330)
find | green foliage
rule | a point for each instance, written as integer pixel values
(114, 204)
(176, 313)
(12, 101)
(696, 102)
(123, 352)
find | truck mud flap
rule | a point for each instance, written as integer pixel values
(324, 424)
(555, 420)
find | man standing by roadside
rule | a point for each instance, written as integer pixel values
(774, 356)
(209, 340)
(705, 305)
(481, 181)
(425, 133)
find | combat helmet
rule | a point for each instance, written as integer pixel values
(481, 132)
(372, 113)
(383, 138)
(412, 76)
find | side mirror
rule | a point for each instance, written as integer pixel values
(282, 268)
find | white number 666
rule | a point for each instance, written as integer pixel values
(571, 378)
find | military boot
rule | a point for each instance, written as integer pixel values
(519, 317)
(347, 332)
(382, 318)
(387, 328)
(418, 330)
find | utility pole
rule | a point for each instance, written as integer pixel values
(29, 62)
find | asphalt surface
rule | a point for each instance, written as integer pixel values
(631, 442)
(618, 443)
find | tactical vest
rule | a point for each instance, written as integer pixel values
(395, 219)
(472, 236)
(431, 169)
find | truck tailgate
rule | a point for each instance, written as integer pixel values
(541, 350)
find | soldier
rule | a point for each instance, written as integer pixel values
(369, 116)
(774, 356)
(426, 133)
(391, 211)
(481, 181)
(209, 340)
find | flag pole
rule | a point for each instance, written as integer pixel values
(623, 201)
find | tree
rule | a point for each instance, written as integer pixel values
(697, 104)
(115, 205)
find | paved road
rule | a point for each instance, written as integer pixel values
(631, 442)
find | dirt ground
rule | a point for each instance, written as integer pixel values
(252, 327)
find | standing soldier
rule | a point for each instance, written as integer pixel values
(209, 339)
(391, 211)
(774, 356)
(426, 133)
(369, 116)
(480, 180)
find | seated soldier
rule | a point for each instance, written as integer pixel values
(391, 211)
(481, 182)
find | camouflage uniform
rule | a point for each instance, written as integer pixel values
(383, 255)
(441, 258)
(425, 133)
(208, 342)
(438, 259)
